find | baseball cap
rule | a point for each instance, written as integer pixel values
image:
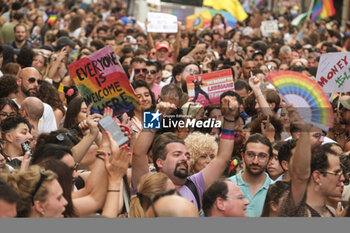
(63, 41)
(163, 45)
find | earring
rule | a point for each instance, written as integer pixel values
(42, 213)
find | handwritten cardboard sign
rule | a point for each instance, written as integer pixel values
(269, 26)
(161, 22)
(207, 88)
(102, 81)
(333, 73)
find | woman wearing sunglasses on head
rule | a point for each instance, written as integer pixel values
(40, 193)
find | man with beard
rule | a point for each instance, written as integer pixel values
(20, 31)
(182, 71)
(253, 180)
(171, 156)
(137, 69)
(28, 81)
(162, 52)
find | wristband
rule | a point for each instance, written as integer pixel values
(227, 134)
(113, 190)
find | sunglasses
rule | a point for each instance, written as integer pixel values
(33, 80)
(151, 72)
(41, 180)
(144, 70)
(189, 70)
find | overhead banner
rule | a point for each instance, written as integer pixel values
(333, 73)
(207, 88)
(102, 81)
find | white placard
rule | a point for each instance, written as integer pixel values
(333, 73)
(161, 22)
(269, 26)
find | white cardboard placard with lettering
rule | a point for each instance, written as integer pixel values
(333, 73)
(161, 22)
(269, 26)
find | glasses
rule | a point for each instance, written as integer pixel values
(150, 72)
(156, 197)
(41, 180)
(261, 156)
(144, 70)
(190, 70)
(238, 197)
(338, 173)
(33, 80)
(6, 115)
(270, 67)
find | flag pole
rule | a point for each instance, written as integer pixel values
(310, 8)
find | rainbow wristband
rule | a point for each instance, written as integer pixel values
(228, 134)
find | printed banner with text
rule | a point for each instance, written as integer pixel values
(207, 88)
(102, 81)
(333, 73)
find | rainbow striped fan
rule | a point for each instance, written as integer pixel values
(306, 96)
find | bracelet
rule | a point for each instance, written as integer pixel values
(259, 95)
(102, 152)
(227, 134)
(113, 190)
(232, 121)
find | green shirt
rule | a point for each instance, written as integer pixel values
(254, 209)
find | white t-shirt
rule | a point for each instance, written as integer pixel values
(47, 122)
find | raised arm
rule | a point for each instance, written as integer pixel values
(176, 46)
(143, 143)
(230, 111)
(254, 83)
(300, 162)
(92, 196)
(116, 167)
(83, 146)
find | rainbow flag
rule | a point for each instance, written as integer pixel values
(199, 20)
(323, 9)
(328, 9)
(52, 17)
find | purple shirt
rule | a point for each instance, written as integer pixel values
(185, 192)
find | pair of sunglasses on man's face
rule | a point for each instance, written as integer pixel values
(145, 71)
(32, 80)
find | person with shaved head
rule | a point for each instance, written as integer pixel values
(29, 79)
(32, 109)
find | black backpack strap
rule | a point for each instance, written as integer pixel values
(189, 183)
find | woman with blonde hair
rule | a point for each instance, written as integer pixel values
(150, 184)
(40, 193)
(203, 149)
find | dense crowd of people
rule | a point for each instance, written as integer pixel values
(264, 160)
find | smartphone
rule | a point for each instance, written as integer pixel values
(26, 147)
(108, 124)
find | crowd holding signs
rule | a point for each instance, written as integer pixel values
(243, 119)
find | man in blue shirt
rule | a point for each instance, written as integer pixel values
(253, 180)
